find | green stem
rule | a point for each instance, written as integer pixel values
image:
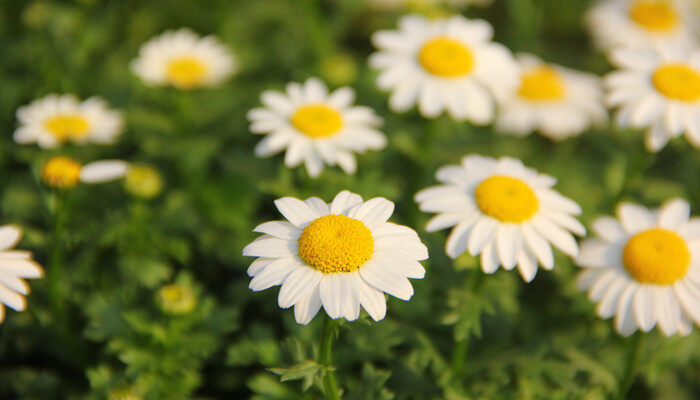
(635, 352)
(330, 384)
(55, 270)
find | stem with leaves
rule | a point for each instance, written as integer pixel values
(330, 384)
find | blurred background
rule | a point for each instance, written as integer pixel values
(154, 301)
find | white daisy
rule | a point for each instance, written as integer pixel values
(504, 211)
(64, 172)
(421, 4)
(658, 89)
(556, 101)
(644, 268)
(315, 127)
(15, 266)
(54, 120)
(614, 23)
(184, 60)
(341, 256)
(444, 64)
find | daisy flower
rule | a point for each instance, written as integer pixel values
(54, 120)
(446, 64)
(341, 256)
(315, 127)
(644, 268)
(504, 211)
(556, 101)
(657, 89)
(614, 23)
(184, 60)
(15, 266)
(64, 172)
(420, 4)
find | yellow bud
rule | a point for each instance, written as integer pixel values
(61, 172)
(176, 299)
(143, 181)
(124, 393)
(339, 69)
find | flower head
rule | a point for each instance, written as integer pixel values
(446, 64)
(556, 101)
(341, 256)
(644, 268)
(176, 299)
(15, 267)
(184, 60)
(620, 23)
(55, 120)
(504, 211)
(659, 90)
(143, 181)
(315, 127)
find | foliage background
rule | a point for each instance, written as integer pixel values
(110, 339)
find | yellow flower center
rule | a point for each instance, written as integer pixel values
(678, 82)
(542, 84)
(446, 57)
(67, 127)
(336, 243)
(61, 172)
(143, 181)
(506, 199)
(654, 15)
(317, 120)
(186, 72)
(656, 256)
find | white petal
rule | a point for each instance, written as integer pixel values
(12, 299)
(539, 247)
(625, 321)
(643, 303)
(508, 245)
(557, 236)
(407, 247)
(456, 243)
(374, 212)
(489, 259)
(275, 273)
(598, 254)
(445, 220)
(401, 264)
(14, 283)
(609, 229)
(674, 213)
(634, 218)
(306, 309)
(279, 229)
(344, 201)
(667, 310)
(103, 171)
(298, 285)
(10, 235)
(527, 265)
(339, 297)
(319, 206)
(270, 247)
(21, 267)
(689, 296)
(386, 280)
(608, 303)
(258, 265)
(371, 299)
(483, 232)
(296, 211)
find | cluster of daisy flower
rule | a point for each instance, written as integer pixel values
(643, 268)
(344, 256)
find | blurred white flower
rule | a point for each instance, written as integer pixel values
(54, 120)
(315, 126)
(657, 89)
(644, 268)
(184, 60)
(555, 101)
(341, 256)
(504, 211)
(64, 172)
(615, 23)
(15, 266)
(418, 4)
(445, 64)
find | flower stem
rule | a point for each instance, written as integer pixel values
(636, 346)
(55, 270)
(330, 385)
